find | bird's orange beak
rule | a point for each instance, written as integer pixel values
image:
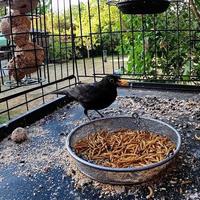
(122, 82)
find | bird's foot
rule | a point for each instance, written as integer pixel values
(86, 114)
(99, 113)
(90, 119)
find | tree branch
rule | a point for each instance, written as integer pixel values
(194, 8)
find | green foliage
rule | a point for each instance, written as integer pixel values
(3, 118)
(160, 47)
(45, 6)
(197, 4)
(2, 11)
(59, 50)
(157, 48)
(60, 46)
(91, 23)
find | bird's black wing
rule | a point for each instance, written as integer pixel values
(84, 93)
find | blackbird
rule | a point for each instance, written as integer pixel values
(95, 96)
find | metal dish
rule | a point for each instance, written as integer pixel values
(122, 175)
(143, 6)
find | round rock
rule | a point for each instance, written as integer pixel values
(19, 135)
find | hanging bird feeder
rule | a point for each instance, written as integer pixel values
(23, 6)
(141, 6)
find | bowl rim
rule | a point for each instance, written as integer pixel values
(142, 2)
(130, 169)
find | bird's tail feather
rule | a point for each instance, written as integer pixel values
(64, 92)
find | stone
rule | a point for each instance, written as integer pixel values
(19, 135)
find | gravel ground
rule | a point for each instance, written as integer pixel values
(40, 168)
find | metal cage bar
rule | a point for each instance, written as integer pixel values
(84, 40)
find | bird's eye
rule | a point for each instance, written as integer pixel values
(112, 80)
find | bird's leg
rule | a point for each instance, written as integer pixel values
(99, 113)
(86, 113)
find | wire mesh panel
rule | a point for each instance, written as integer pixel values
(47, 45)
(36, 56)
(157, 47)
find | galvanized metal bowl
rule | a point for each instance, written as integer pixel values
(122, 175)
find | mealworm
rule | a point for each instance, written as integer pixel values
(150, 193)
(124, 148)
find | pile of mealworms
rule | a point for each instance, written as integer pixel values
(124, 148)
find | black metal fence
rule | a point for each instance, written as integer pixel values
(83, 41)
